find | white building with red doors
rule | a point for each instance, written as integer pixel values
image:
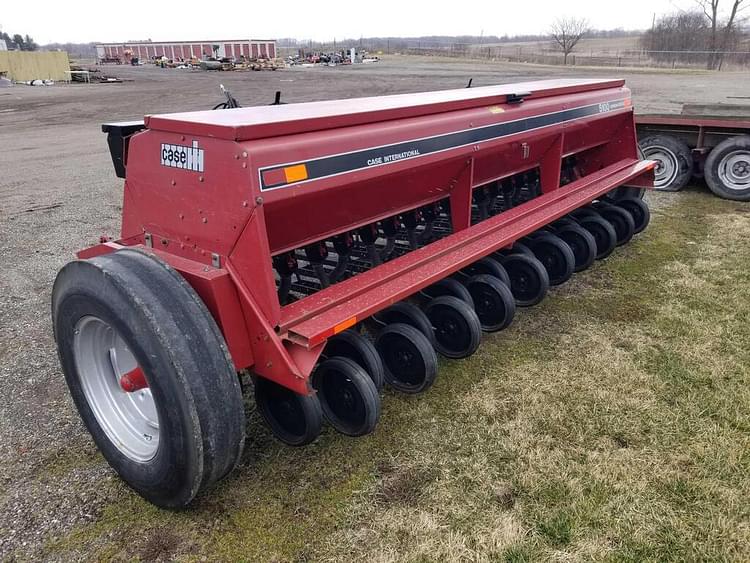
(181, 50)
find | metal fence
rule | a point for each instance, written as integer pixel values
(538, 54)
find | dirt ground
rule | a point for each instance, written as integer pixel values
(456, 474)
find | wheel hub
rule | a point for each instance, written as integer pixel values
(128, 418)
(666, 168)
(734, 170)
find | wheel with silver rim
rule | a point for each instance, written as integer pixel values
(727, 169)
(674, 161)
(149, 373)
(115, 388)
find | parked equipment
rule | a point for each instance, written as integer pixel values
(328, 248)
(704, 141)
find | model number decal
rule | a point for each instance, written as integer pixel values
(181, 156)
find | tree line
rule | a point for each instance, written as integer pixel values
(19, 42)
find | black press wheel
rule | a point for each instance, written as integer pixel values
(406, 313)
(674, 161)
(603, 232)
(294, 419)
(408, 357)
(457, 327)
(448, 286)
(638, 209)
(621, 220)
(358, 348)
(493, 302)
(529, 280)
(727, 168)
(581, 242)
(135, 343)
(489, 266)
(556, 256)
(348, 397)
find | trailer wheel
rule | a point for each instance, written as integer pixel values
(529, 280)
(582, 243)
(639, 210)
(489, 266)
(727, 169)
(457, 327)
(408, 357)
(493, 302)
(406, 313)
(448, 286)
(674, 162)
(556, 256)
(603, 232)
(621, 220)
(149, 373)
(358, 348)
(348, 397)
(294, 419)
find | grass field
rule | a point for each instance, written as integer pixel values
(608, 423)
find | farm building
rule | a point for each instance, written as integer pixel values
(177, 50)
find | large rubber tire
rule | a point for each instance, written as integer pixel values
(347, 395)
(556, 256)
(582, 243)
(727, 169)
(603, 232)
(639, 210)
(529, 280)
(168, 331)
(458, 331)
(674, 161)
(493, 302)
(408, 357)
(621, 220)
(358, 348)
(448, 286)
(406, 313)
(489, 266)
(294, 419)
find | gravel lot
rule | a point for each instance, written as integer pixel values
(58, 193)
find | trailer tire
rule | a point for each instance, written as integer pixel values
(129, 309)
(674, 162)
(556, 256)
(348, 397)
(448, 286)
(458, 331)
(727, 169)
(489, 266)
(529, 280)
(358, 348)
(493, 301)
(603, 232)
(582, 243)
(276, 404)
(639, 210)
(408, 357)
(406, 313)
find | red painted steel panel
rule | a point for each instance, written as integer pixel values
(255, 50)
(237, 50)
(693, 121)
(246, 49)
(257, 122)
(207, 50)
(228, 52)
(272, 50)
(263, 50)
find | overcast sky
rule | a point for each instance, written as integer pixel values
(55, 21)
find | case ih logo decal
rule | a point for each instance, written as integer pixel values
(294, 173)
(180, 156)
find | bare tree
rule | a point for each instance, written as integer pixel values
(721, 36)
(567, 32)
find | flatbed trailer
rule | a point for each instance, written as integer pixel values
(704, 141)
(324, 249)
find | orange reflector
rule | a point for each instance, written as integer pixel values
(627, 102)
(295, 173)
(343, 326)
